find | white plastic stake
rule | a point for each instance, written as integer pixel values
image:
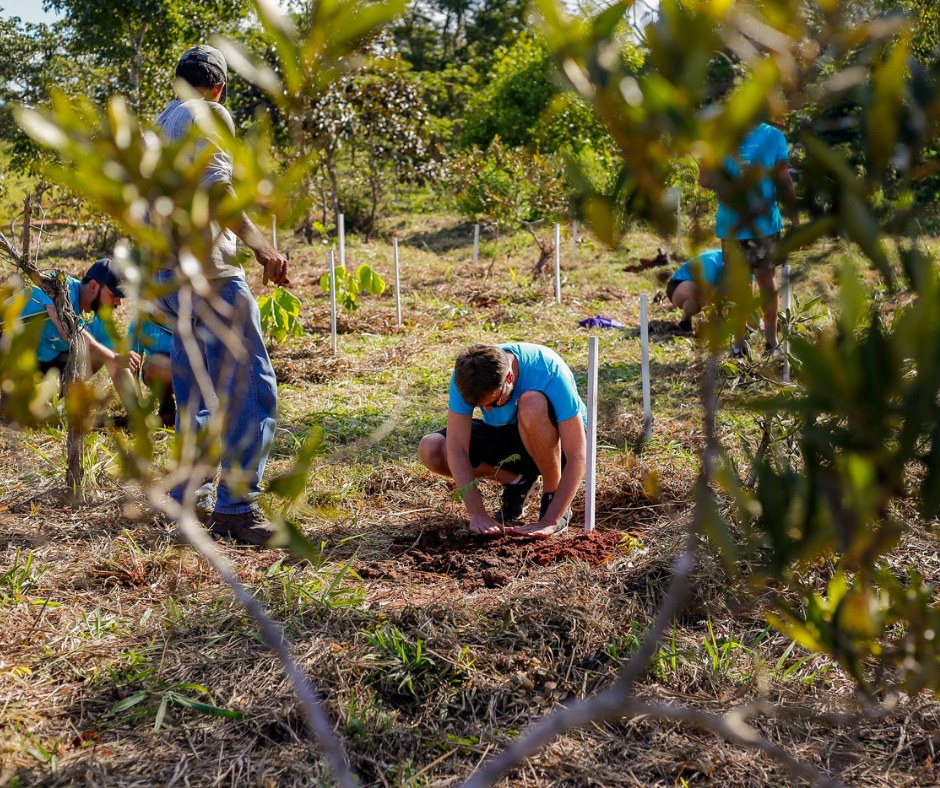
(342, 241)
(333, 301)
(787, 298)
(476, 243)
(590, 473)
(397, 283)
(558, 263)
(645, 351)
(574, 242)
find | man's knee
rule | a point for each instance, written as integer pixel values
(431, 452)
(533, 409)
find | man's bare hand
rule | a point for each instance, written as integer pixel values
(484, 525)
(539, 530)
(131, 361)
(275, 266)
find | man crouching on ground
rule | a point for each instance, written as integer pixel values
(533, 423)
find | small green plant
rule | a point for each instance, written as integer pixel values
(280, 315)
(459, 494)
(299, 588)
(366, 713)
(180, 695)
(20, 581)
(350, 286)
(723, 652)
(402, 662)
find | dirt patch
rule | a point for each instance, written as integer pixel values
(490, 562)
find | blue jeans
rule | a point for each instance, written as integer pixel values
(226, 328)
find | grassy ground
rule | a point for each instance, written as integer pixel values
(431, 650)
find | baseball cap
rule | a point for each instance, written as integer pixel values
(203, 53)
(105, 272)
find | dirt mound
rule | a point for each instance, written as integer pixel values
(492, 562)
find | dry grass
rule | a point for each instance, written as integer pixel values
(112, 605)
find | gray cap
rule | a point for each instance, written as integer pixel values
(205, 54)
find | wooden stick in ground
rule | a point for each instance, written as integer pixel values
(645, 356)
(397, 283)
(590, 474)
(56, 287)
(332, 302)
(557, 263)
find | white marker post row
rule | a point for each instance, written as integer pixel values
(787, 292)
(645, 356)
(476, 243)
(590, 472)
(333, 302)
(397, 283)
(342, 241)
(557, 263)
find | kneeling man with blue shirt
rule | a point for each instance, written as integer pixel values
(100, 287)
(531, 412)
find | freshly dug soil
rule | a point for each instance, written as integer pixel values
(491, 562)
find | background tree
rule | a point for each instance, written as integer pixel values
(132, 47)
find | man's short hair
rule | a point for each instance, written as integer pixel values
(203, 67)
(479, 371)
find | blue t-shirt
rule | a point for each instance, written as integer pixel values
(709, 265)
(50, 343)
(149, 337)
(540, 369)
(764, 149)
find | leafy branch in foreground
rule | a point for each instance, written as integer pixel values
(155, 194)
(866, 403)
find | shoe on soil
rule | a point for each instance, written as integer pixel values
(685, 326)
(512, 502)
(250, 527)
(741, 352)
(565, 520)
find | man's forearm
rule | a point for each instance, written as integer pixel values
(251, 236)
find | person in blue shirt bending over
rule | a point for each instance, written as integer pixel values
(100, 287)
(152, 337)
(694, 283)
(532, 423)
(748, 220)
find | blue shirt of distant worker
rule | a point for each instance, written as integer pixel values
(532, 424)
(765, 148)
(101, 286)
(748, 221)
(690, 287)
(51, 344)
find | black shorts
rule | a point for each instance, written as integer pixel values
(58, 363)
(492, 445)
(758, 253)
(671, 287)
